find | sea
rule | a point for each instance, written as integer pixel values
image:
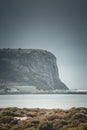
(49, 101)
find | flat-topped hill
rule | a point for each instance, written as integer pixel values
(29, 67)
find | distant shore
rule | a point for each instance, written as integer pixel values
(64, 92)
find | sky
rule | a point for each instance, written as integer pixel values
(59, 26)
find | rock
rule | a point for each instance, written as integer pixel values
(29, 67)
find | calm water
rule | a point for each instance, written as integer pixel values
(64, 101)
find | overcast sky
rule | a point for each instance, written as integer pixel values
(59, 26)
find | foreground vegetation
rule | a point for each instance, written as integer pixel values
(43, 119)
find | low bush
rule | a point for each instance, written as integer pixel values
(43, 119)
(45, 126)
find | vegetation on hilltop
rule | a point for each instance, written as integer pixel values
(43, 119)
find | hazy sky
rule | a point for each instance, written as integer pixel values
(59, 26)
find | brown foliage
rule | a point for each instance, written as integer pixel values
(43, 119)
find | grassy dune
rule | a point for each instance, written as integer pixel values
(43, 119)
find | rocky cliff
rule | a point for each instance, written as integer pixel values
(29, 67)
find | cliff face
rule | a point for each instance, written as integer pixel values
(29, 67)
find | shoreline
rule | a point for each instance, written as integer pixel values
(18, 93)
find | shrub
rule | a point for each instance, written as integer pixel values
(52, 117)
(59, 124)
(6, 119)
(15, 128)
(83, 126)
(45, 126)
(8, 113)
(79, 116)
